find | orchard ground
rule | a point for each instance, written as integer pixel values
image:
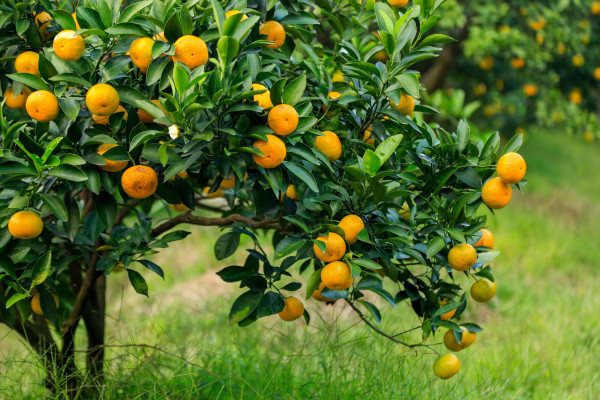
(541, 338)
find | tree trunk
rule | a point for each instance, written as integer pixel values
(433, 78)
(93, 317)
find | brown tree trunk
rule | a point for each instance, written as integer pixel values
(433, 78)
(93, 317)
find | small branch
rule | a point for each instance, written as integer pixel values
(187, 218)
(127, 208)
(82, 295)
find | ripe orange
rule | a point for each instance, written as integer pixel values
(111, 166)
(397, 3)
(263, 99)
(338, 76)
(483, 290)
(230, 183)
(293, 309)
(28, 62)
(291, 192)
(335, 247)
(446, 366)
(511, 168)
(42, 106)
(183, 175)
(318, 296)
(102, 99)
(588, 136)
(449, 314)
(406, 106)
(578, 60)
(486, 239)
(486, 63)
(367, 137)
(575, 96)
(105, 119)
(405, 211)
(140, 52)
(462, 257)
(274, 32)
(19, 101)
(139, 181)
(36, 307)
(234, 12)
(595, 8)
(352, 225)
(273, 151)
(179, 207)
(530, 89)
(25, 225)
(119, 267)
(517, 63)
(597, 73)
(145, 116)
(68, 46)
(480, 89)
(160, 36)
(337, 275)
(538, 25)
(329, 144)
(283, 119)
(215, 194)
(334, 95)
(191, 51)
(468, 338)
(42, 21)
(496, 193)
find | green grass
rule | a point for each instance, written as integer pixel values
(540, 339)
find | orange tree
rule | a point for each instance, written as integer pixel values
(121, 124)
(530, 63)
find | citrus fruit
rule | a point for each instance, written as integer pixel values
(530, 90)
(283, 119)
(36, 307)
(406, 105)
(263, 99)
(145, 116)
(292, 310)
(462, 257)
(273, 151)
(588, 136)
(213, 195)
(42, 21)
(486, 63)
(335, 247)
(446, 366)
(105, 119)
(449, 314)
(578, 60)
(42, 106)
(405, 211)
(338, 76)
(538, 25)
(468, 338)
(182, 174)
(139, 181)
(77, 26)
(68, 46)
(119, 267)
(486, 239)
(575, 96)
(511, 168)
(483, 290)
(160, 36)
(19, 101)
(352, 225)
(274, 32)
(25, 225)
(480, 89)
(140, 52)
(191, 51)
(234, 12)
(179, 207)
(337, 275)
(28, 62)
(397, 3)
(102, 99)
(517, 62)
(496, 193)
(329, 143)
(367, 137)
(316, 294)
(230, 183)
(595, 8)
(334, 95)
(111, 166)
(291, 192)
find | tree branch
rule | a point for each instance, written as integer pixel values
(82, 295)
(187, 218)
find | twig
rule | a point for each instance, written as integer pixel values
(82, 295)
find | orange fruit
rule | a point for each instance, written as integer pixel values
(36, 307)
(139, 181)
(406, 105)
(42, 106)
(293, 309)
(42, 21)
(334, 95)
(483, 290)
(145, 116)
(291, 192)
(480, 89)
(28, 62)
(102, 99)
(335, 247)
(486, 239)
(338, 76)
(105, 119)
(405, 211)
(511, 168)
(283, 119)
(329, 143)
(318, 296)
(588, 136)
(578, 60)
(595, 8)
(140, 52)
(446, 366)
(213, 195)
(530, 89)
(274, 32)
(337, 276)
(160, 36)
(179, 207)
(273, 151)
(397, 3)
(234, 12)
(538, 25)
(68, 46)
(367, 137)
(575, 96)
(449, 314)
(517, 63)
(263, 99)
(352, 225)
(182, 174)
(191, 51)
(486, 63)
(119, 267)
(25, 225)
(597, 73)
(462, 257)
(19, 101)
(111, 166)
(468, 338)
(496, 193)
(230, 183)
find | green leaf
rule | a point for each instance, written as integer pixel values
(514, 144)
(70, 107)
(34, 82)
(271, 303)
(288, 245)
(371, 162)
(410, 83)
(127, 28)
(303, 174)
(152, 267)
(56, 205)
(227, 47)
(235, 273)
(434, 246)
(130, 12)
(244, 305)
(462, 132)
(372, 309)
(138, 282)
(386, 148)
(313, 283)
(364, 262)
(226, 245)
(15, 298)
(434, 39)
(294, 91)
(106, 206)
(72, 78)
(41, 269)
(69, 172)
(219, 15)
(487, 257)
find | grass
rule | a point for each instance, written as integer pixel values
(540, 339)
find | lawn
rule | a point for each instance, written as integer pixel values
(541, 338)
